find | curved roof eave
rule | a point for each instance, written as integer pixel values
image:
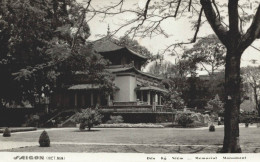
(124, 69)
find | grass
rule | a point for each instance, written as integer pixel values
(147, 140)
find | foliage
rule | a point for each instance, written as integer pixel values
(7, 133)
(251, 81)
(173, 98)
(33, 120)
(44, 43)
(82, 126)
(248, 118)
(115, 119)
(215, 105)
(161, 68)
(195, 92)
(135, 46)
(184, 120)
(88, 118)
(44, 139)
(208, 52)
(212, 128)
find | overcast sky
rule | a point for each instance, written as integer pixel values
(179, 29)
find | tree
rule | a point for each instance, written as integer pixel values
(147, 21)
(135, 46)
(161, 68)
(88, 118)
(42, 43)
(184, 120)
(174, 97)
(215, 105)
(24, 34)
(251, 77)
(207, 52)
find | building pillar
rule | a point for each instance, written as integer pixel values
(76, 99)
(83, 100)
(91, 99)
(148, 98)
(152, 97)
(108, 100)
(142, 96)
(98, 99)
(156, 98)
(159, 100)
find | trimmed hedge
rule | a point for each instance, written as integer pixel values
(7, 133)
(19, 129)
(212, 128)
(44, 139)
(127, 125)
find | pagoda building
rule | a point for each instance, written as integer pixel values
(133, 87)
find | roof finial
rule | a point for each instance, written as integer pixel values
(108, 29)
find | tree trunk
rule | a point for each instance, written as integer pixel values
(256, 101)
(232, 102)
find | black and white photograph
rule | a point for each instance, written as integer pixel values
(130, 80)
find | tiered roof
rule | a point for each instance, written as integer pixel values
(118, 69)
(108, 44)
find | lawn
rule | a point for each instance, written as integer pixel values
(147, 140)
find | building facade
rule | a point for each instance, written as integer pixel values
(132, 87)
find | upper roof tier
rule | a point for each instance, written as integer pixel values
(108, 44)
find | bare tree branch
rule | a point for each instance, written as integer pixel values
(198, 26)
(190, 5)
(216, 7)
(253, 31)
(216, 25)
(146, 8)
(176, 11)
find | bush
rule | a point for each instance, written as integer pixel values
(33, 121)
(7, 133)
(212, 128)
(184, 120)
(115, 119)
(44, 139)
(82, 126)
(88, 118)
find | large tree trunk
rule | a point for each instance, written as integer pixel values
(256, 101)
(232, 102)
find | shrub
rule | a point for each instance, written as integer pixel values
(115, 119)
(44, 139)
(212, 128)
(215, 105)
(88, 118)
(33, 121)
(219, 122)
(7, 133)
(184, 120)
(82, 126)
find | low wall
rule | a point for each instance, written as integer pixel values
(142, 117)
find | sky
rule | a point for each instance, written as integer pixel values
(179, 30)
